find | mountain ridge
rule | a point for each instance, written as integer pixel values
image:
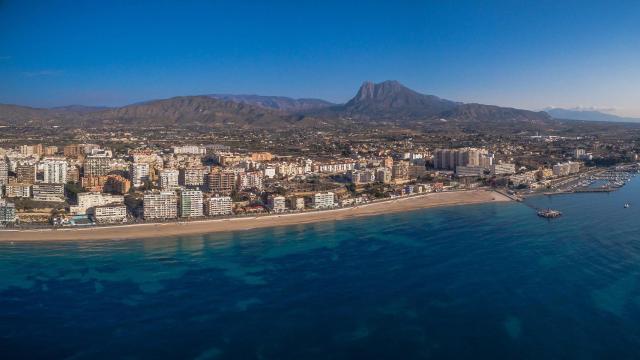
(275, 102)
(373, 103)
(587, 115)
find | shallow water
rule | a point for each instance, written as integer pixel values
(481, 281)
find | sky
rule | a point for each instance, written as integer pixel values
(528, 54)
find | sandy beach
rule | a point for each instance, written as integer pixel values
(158, 230)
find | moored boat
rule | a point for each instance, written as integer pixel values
(549, 213)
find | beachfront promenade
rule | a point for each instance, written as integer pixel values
(157, 230)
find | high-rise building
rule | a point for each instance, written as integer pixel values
(7, 213)
(97, 166)
(364, 176)
(139, 173)
(93, 183)
(26, 150)
(29, 150)
(250, 180)
(55, 170)
(25, 172)
(38, 149)
(117, 184)
(73, 173)
(383, 175)
(191, 203)
(448, 159)
(50, 150)
(48, 192)
(72, 150)
(503, 169)
(564, 169)
(189, 149)
(193, 177)
(469, 171)
(323, 200)
(89, 200)
(110, 214)
(400, 170)
(219, 205)
(4, 172)
(416, 171)
(296, 203)
(169, 179)
(276, 203)
(160, 205)
(221, 181)
(18, 190)
(388, 162)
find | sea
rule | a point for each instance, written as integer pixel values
(491, 281)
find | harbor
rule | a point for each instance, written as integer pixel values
(594, 181)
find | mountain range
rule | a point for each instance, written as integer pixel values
(588, 115)
(275, 102)
(374, 103)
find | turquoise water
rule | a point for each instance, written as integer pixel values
(485, 281)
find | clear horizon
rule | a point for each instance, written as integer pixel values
(576, 54)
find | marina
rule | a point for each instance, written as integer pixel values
(595, 181)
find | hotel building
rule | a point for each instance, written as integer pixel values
(191, 203)
(160, 205)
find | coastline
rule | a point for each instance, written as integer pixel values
(198, 227)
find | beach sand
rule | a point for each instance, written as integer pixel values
(158, 230)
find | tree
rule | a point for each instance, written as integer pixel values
(351, 187)
(72, 189)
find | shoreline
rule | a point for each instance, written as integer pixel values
(199, 227)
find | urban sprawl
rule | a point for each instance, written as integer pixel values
(87, 184)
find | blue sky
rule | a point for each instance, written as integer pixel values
(529, 54)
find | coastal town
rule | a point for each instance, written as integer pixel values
(72, 185)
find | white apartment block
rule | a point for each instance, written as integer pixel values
(362, 176)
(296, 203)
(55, 170)
(564, 169)
(110, 214)
(160, 205)
(270, 172)
(323, 200)
(285, 169)
(18, 190)
(277, 203)
(140, 172)
(89, 200)
(469, 171)
(191, 203)
(48, 192)
(4, 172)
(383, 175)
(7, 213)
(526, 178)
(169, 179)
(503, 169)
(250, 180)
(332, 168)
(193, 177)
(189, 149)
(219, 205)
